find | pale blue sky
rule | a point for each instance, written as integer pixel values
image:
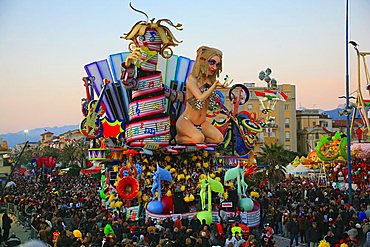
(44, 45)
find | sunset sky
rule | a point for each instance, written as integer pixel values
(44, 45)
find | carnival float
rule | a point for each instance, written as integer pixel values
(329, 158)
(141, 115)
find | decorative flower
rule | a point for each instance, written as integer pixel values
(191, 197)
(118, 204)
(255, 194)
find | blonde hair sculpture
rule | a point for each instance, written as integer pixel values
(164, 32)
(204, 54)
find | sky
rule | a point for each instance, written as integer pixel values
(44, 45)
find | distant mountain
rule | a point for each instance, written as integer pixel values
(334, 114)
(34, 135)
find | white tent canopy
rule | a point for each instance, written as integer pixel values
(289, 168)
(300, 170)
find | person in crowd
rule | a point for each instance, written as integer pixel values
(12, 241)
(293, 228)
(314, 235)
(7, 224)
(330, 238)
(302, 227)
(67, 204)
(229, 241)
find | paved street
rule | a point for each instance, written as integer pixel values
(19, 230)
(284, 242)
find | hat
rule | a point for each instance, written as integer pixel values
(77, 234)
(330, 219)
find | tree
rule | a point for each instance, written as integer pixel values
(276, 158)
(74, 154)
(49, 151)
(27, 156)
(67, 156)
(81, 151)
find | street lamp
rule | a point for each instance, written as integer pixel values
(348, 116)
(25, 135)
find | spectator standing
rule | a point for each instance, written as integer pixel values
(293, 228)
(7, 222)
(314, 235)
(302, 227)
(229, 240)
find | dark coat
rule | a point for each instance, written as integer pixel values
(314, 235)
(7, 222)
(293, 227)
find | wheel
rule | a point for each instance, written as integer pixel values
(237, 90)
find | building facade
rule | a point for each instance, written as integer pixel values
(283, 129)
(311, 127)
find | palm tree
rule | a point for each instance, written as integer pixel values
(68, 155)
(81, 152)
(276, 158)
(74, 154)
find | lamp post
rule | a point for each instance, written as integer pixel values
(348, 116)
(25, 135)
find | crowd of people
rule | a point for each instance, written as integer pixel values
(300, 210)
(68, 211)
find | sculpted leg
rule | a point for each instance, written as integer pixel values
(187, 133)
(211, 133)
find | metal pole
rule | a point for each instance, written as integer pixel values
(348, 116)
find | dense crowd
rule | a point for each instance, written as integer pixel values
(300, 210)
(67, 211)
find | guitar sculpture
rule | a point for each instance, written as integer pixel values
(91, 125)
(88, 84)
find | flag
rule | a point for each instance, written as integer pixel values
(269, 94)
(282, 96)
(259, 94)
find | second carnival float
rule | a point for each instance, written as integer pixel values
(150, 117)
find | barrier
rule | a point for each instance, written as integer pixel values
(21, 218)
(251, 219)
(34, 233)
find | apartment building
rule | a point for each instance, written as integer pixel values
(311, 127)
(283, 129)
